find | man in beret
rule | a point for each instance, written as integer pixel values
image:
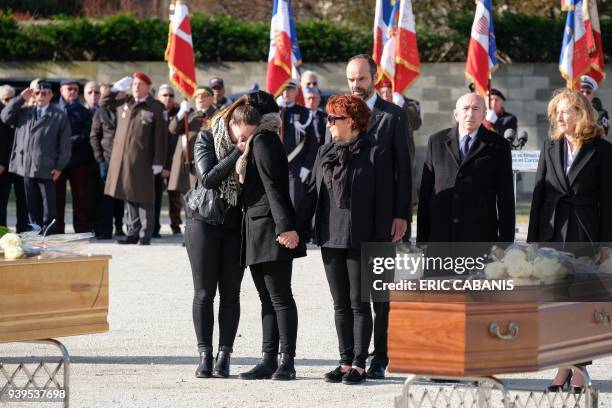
(41, 149)
(220, 101)
(588, 87)
(139, 152)
(82, 171)
(499, 119)
(298, 136)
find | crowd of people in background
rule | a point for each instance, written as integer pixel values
(260, 176)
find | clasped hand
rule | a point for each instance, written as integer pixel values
(289, 239)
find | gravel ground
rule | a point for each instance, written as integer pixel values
(148, 357)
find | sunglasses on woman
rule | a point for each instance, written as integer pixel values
(331, 119)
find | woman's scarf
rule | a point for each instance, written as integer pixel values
(335, 166)
(270, 122)
(230, 187)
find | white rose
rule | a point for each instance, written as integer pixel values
(10, 239)
(549, 270)
(520, 269)
(495, 270)
(606, 266)
(13, 252)
(514, 256)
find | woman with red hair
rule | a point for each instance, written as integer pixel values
(348, 192)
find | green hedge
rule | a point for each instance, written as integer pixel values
(122, 37)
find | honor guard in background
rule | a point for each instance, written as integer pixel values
(496, 115)
(312, 101)
(181, 178)
(298, 137)
(139, 152)
(588, 87)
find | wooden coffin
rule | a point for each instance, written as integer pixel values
(46, 298)
(466, 339)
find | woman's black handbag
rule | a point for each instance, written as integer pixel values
(207, 202)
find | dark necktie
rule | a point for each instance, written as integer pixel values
(38, 113)
(466, 147)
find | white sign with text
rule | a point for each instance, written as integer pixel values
(525, 160)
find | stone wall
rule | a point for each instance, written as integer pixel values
(527, 87)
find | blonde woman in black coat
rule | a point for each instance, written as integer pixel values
(572, 198)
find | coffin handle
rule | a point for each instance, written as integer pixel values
(601, 316)
(511, 332)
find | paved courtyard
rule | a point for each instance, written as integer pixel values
(148, 357)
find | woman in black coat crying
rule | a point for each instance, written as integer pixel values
(572, 198)
(269, 240)
(350, 193)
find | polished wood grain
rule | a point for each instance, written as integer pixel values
(453, 338)
(45, 298)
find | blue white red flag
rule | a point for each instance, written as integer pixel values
(284, 58)
(481, 59)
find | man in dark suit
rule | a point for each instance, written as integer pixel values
(298, 137)
(466, 189)
(387, 129)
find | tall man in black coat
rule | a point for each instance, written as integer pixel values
(466, 191)
(387, 129)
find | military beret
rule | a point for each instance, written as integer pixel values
(292, 83)
(143, 77)
(496, 92)
(203, 89)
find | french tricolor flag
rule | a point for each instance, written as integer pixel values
(581, 49)
(481, 59)
(382, 16)
(284, 58)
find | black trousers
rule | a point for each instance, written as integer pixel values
(159, 191)
(353, 317)
(107, 207)
(381, 325)
(40, 200)
(214, 254)
(279, 317)
(7, 182)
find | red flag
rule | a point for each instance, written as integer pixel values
(179, 52)
(593, 38)
(407, 64)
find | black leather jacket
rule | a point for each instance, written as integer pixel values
(211, 172)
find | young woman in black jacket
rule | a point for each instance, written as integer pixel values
(269, 240)
(213, 246)
(348, 192)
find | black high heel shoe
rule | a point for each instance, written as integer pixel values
(563, 387)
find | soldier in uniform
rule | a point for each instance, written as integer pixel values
(298, 137)
(588, 87)
(497, 116)
(220, 101)
(312, 101)
(181, 178)
(139, 151)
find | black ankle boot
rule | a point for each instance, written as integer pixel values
(204, 370)
(222, 365)
(286, 369)
(264, 370)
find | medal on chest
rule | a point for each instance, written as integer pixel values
(124, 113)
